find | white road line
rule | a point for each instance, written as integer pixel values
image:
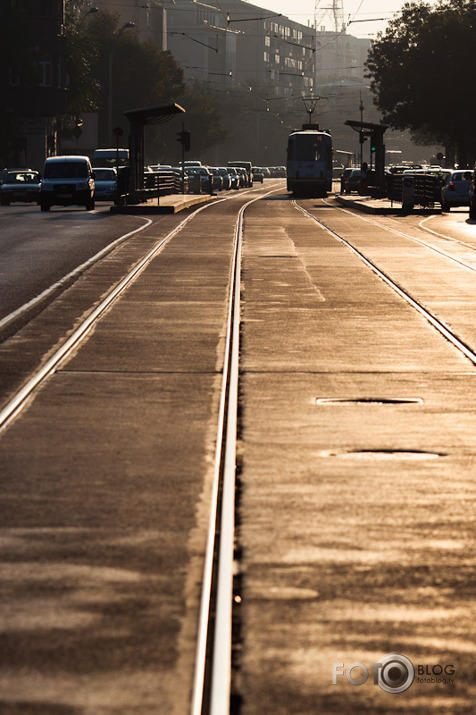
(69, 277)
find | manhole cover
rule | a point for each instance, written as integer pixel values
(369, 401)
(375, 454)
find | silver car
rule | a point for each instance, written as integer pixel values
(105, 179)
(19, 185)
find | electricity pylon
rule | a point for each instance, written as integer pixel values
(332, 10)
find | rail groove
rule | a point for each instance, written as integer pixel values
(432, 319)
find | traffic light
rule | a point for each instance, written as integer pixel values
(362, 137)
(184, 138)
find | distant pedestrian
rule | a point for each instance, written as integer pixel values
(363, 179)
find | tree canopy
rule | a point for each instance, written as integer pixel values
(421, 72)
(111, 70)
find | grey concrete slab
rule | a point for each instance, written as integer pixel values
(102, 540)
(105, 490)
(356, 518)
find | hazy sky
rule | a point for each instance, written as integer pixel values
(361, 10)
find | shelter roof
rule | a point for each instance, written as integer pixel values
(152, 115)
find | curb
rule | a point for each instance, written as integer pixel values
(170, 207)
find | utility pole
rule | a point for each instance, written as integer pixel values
(361, 136)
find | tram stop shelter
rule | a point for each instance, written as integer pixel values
(377, 149)
(138, 119)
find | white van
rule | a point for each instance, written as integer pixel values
(67, 180)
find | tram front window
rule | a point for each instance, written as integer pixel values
(307, 149)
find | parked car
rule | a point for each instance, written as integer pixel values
(199, 179)
(19, 185)
(216, 178)
(225, 177)
(67, 180)
(352, 181)
(343, 179)
(247, 168)
(242, 177)
(177, 170)
(105, 180)
(234, 177)
(472, 197)
(455, 192)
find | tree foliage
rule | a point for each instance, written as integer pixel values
(111, 70)
(81, 51)
(421, 70)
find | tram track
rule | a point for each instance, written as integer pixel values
(403, 234)
(21, 396)
(212, 673)
(431, 318)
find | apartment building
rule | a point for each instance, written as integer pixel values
(32, 79)
(234, 43)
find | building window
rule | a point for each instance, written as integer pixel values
(266, 56)
(267, 41)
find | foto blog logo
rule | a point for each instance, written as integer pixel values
(393, 673)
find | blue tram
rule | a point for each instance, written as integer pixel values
(309, 163)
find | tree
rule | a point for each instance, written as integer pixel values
(419, 70)
(81, 51)
(110, 70)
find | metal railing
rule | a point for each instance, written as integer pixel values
(156, 184)
(414, 189)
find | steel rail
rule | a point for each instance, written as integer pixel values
(70, 277)
(402, 234)
(224, 470)
(219, 669)
(19, 400)
(225, 462)
(432, 319)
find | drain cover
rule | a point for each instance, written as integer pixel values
(369, 401)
